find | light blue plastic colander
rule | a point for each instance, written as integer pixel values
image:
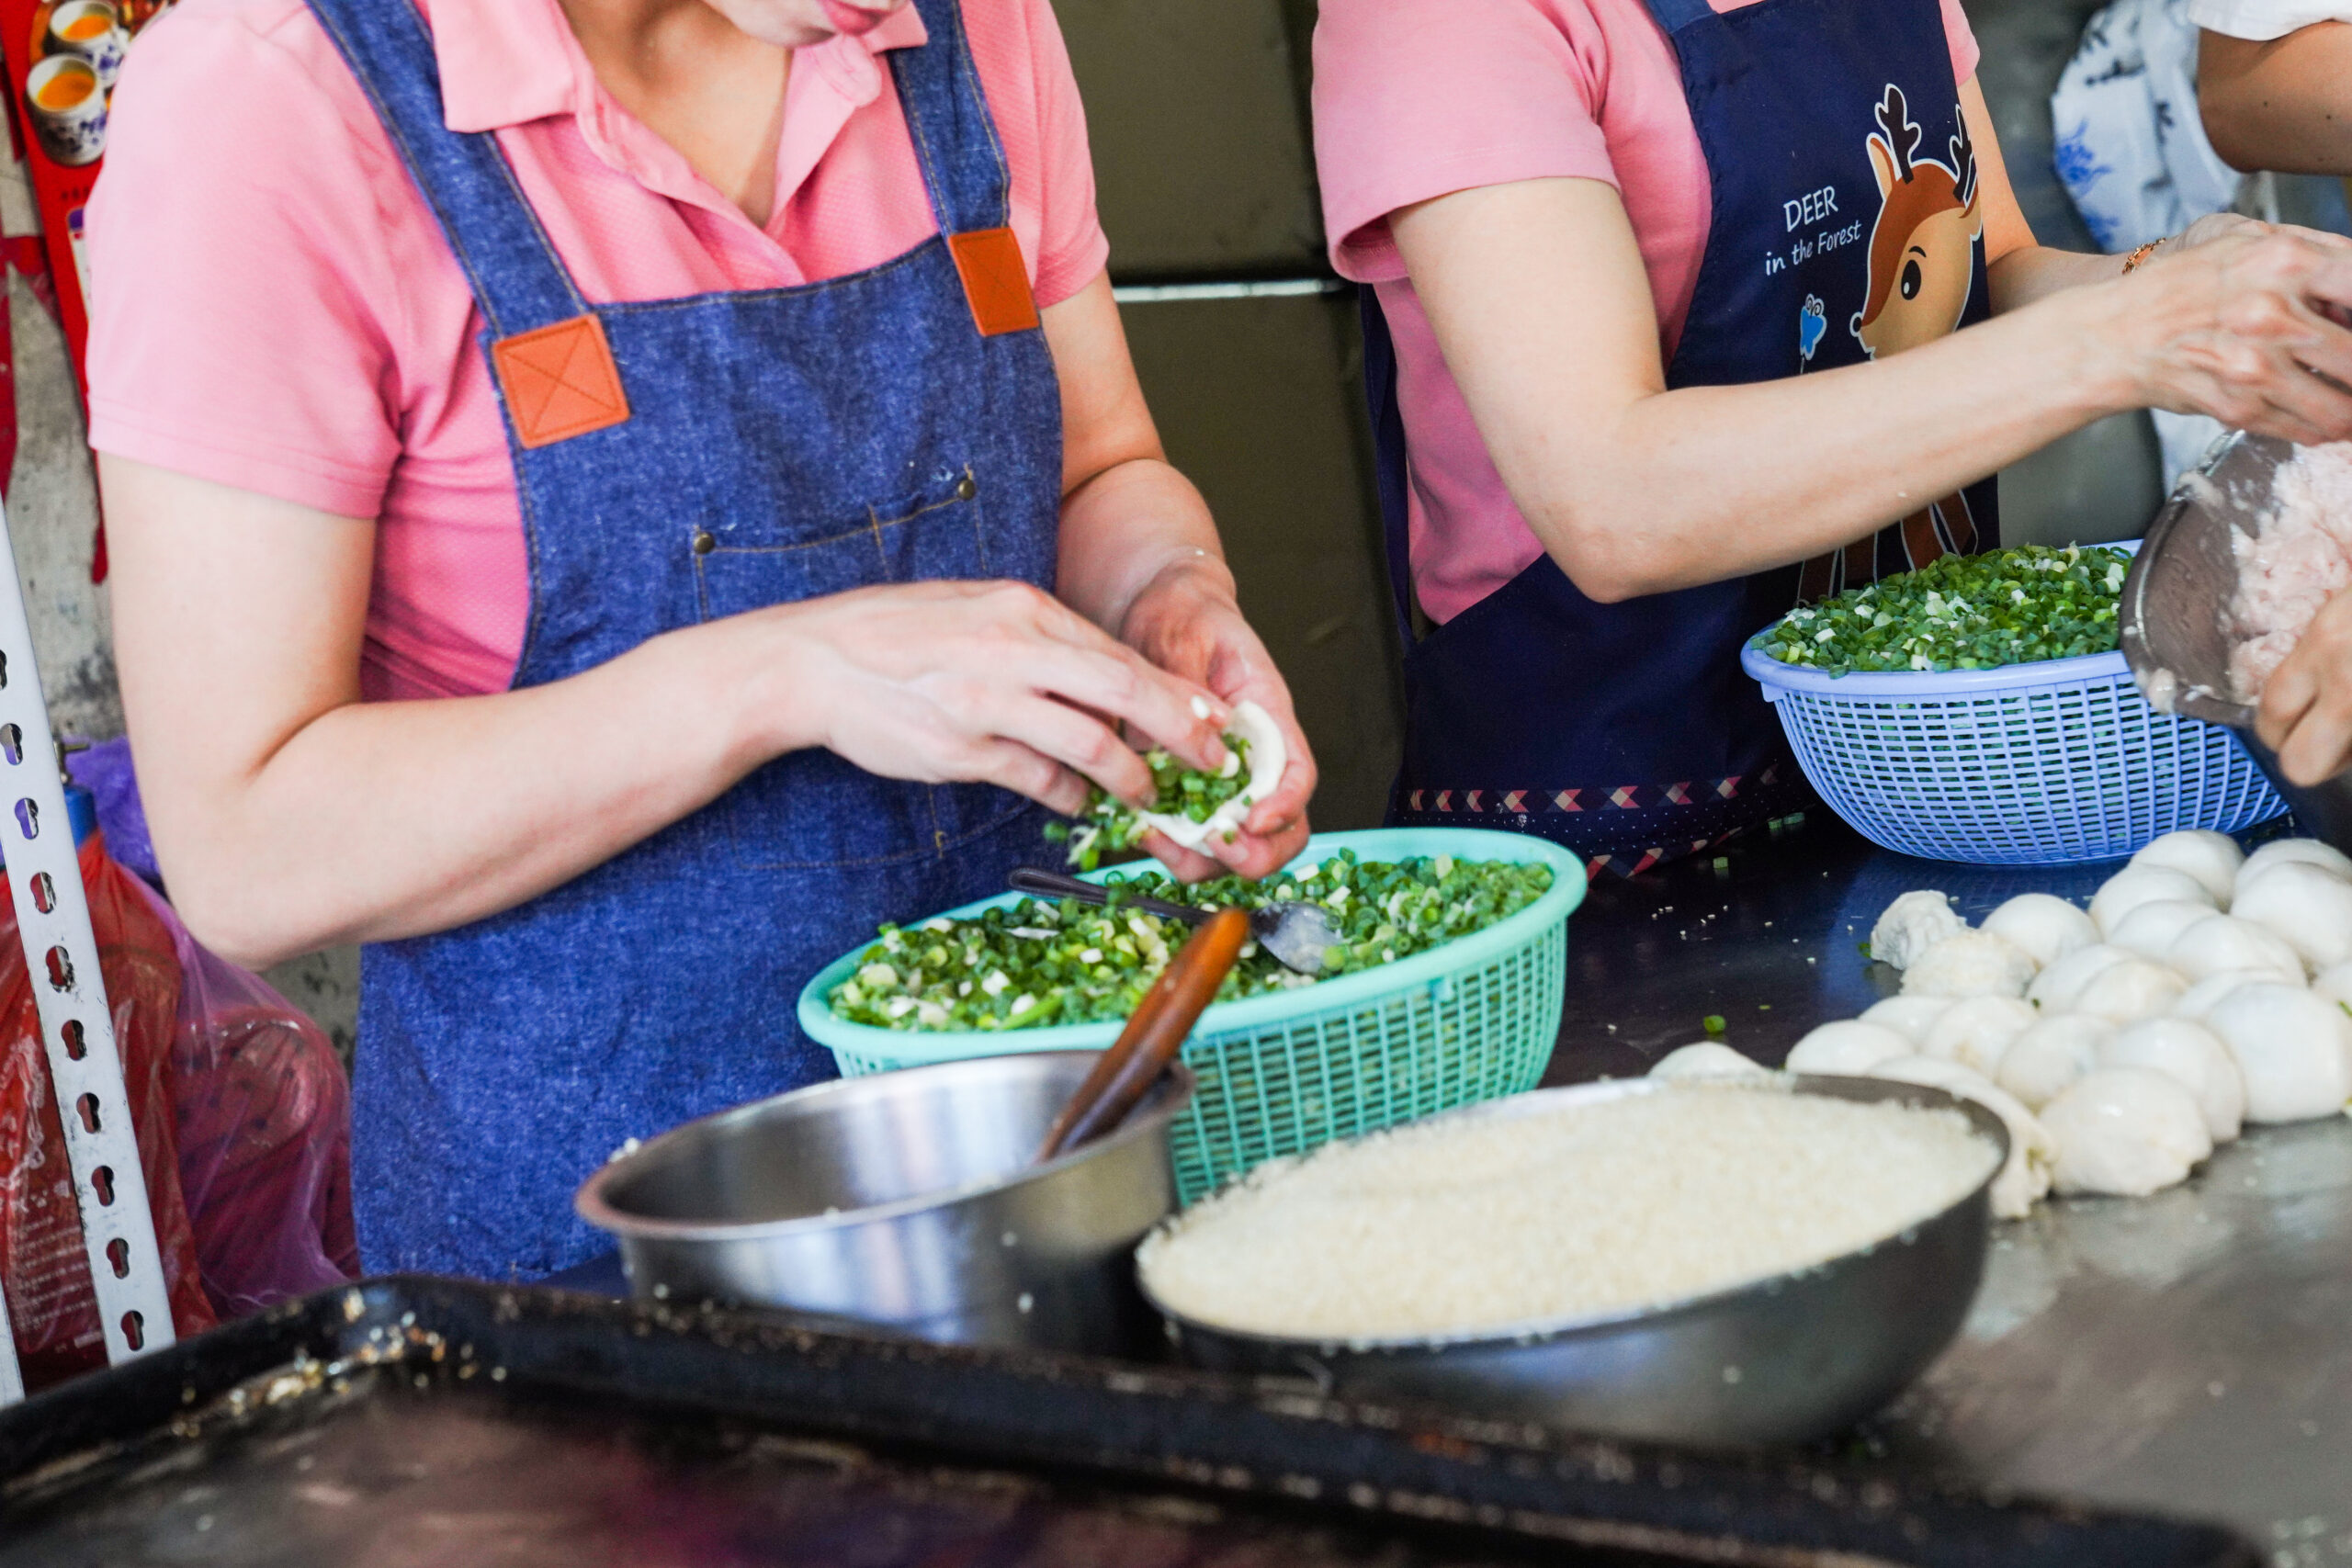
(2032, 764)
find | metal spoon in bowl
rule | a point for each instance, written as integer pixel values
(1296, 933)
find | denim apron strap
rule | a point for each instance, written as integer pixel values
(947, 118)
(389, 51)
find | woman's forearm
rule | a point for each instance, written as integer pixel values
(1125, 529)
(2036, 272)
(290, 815)
(1126, 515)
(1540, 302)
(1705, 483)
(2285, 104)
(1635, 490)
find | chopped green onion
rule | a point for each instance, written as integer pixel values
(1063, 962)
(2015, 606)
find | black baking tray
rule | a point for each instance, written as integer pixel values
(413, 1420)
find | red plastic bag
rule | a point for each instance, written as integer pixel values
(264, 1124)
(42, 1266)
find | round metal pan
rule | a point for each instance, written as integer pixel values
(1779, 1360)
(907, 1202)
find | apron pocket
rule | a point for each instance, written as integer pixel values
(811, 809)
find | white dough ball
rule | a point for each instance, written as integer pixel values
(1912, 924)
(2335, 983)
(2057, 988)
(1706, 1059)
(2138, 884)
(2135, 989)
(2149, 929)
(2046, 1060)
(1975, 1031)
(2307, 907)
(2190, 1055)
(2196, 1003)
(2223, 945)
(1849, 1049)
(2025, 1176)
(1908, 1016)
(2047, 928)
(1969, 964)
(2294, 851)
(2125, 1131)
(2212, 858)
(2293, 1049)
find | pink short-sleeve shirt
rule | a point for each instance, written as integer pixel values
(274, 310)
(1418, 98)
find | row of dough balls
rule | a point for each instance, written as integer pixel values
(2203, 988)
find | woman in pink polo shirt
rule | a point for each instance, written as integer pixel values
(610, 498)
(1661, 333)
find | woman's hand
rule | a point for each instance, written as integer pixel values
(2240, 320)
(988, 682)
(2306, 712)
(1187, 621)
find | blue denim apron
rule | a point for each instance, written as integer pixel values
(779, 444)
(1627, 731)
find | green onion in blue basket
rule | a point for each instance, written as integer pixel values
(2015, 606)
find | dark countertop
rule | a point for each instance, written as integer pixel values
(2189, 1352)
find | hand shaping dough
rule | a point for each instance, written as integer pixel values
(2212, 858)
(1912, 924)
(2189, 1054)
(2046, 1060)
(2293, 1049)
(1850, 1049)
(2026, 1174)
(2125, 1131)
(2047, 928)
(1970, 965)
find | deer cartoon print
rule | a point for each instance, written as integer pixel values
(1922, 272)
(1922, 266)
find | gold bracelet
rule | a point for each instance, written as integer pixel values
(2132, 263)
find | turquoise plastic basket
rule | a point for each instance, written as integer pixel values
(1472, 1020)
(2047, 763)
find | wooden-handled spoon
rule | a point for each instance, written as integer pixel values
(1156, 1030)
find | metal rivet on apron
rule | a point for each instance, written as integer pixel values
(704, 542)
(967, 488)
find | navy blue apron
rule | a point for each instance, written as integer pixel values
(1833, 137)
(779, 444)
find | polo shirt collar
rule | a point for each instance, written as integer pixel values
(510, 62)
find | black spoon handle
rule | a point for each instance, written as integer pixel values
(1054, 884)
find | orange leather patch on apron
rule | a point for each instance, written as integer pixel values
(559, 381)
(996, 281)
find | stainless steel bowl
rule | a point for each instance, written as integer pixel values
(905, 1201)
(2172, 625)
(1781, 1360)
